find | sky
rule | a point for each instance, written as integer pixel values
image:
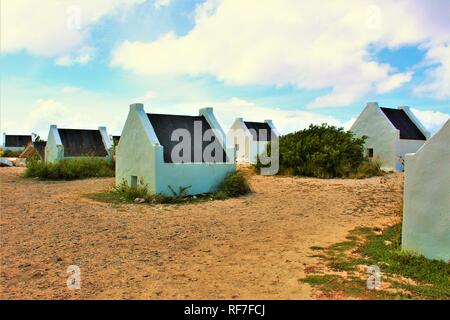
(80, 64)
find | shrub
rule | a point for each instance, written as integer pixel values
(321, 151)
(10, 153)
(125, 192)
(368, 168)
(70, 169)
(233, 185)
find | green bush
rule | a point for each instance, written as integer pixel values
(70, 169)
(368, 168)
(10, 154)
(233, 185)
(321, 151)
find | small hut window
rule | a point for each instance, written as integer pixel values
(369, 152)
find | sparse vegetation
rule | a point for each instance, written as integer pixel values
(70, 169)
(408, 275)
(368, 168)
(123, 193)
(234, 184)
(10, 154)
(324, 152)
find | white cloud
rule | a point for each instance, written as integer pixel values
(438, 78)
(161, 3)
(394, 82)
(347, 125)
(228, 110)
(70, 89)
(310, 45)
(432, 120)
(147, 96)
(30, 107)
(51, 27)
(83, 56)
(44, 113)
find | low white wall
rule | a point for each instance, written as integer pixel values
(426, 207)
(201, 177)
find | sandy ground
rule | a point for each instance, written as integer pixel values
(253, 247)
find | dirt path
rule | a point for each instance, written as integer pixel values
(254, 247)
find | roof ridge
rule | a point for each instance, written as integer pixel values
(174, 115)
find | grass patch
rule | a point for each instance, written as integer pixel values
(70, 169)
(123, 193)
(368, 168)
(234, 185)
(10, 153)
(432, 276)
(411, 276)
(334, 286)
(343, 246)
(316, 280)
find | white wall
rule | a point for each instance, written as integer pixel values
(405, 146)
(382, 135)
(54, 150)
(135, 154)
(426, 207)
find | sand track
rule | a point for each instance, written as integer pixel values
(254, 247)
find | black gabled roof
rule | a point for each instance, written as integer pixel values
(82, 143)
(165, 124)
(255, 128)
(40, 148)
(400, 120)
(17, 141)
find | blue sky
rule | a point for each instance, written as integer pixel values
(82, 63)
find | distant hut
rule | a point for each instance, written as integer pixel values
(15, 143)
(250, 139)
(75, 143)
(37, 148)
(149, 143)
(391, 133)
(426, 201)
